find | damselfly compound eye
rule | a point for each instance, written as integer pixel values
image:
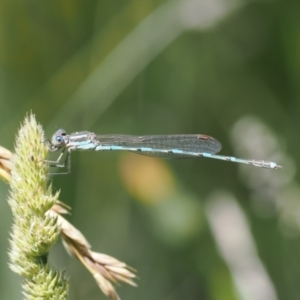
(59, 139)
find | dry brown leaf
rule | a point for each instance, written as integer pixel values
(105, 269)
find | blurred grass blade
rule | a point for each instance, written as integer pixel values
(5, 164)
(135, 52)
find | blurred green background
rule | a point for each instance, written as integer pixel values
(194, 229)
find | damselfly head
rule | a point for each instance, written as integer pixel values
(58, 139)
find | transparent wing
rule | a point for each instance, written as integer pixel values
(164, 146)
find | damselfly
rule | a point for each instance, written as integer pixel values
(163, 146)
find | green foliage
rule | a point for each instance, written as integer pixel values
(228, 69)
